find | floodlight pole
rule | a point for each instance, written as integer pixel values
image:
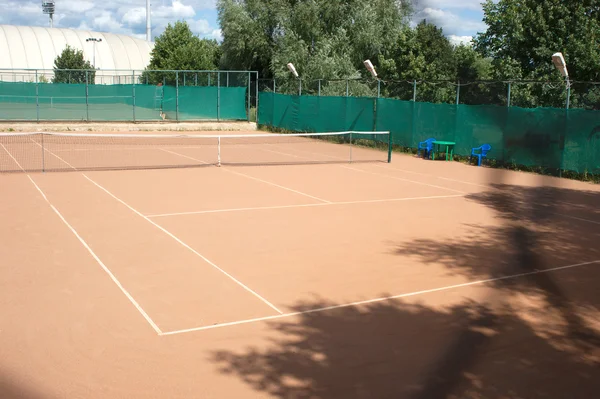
(94, 40)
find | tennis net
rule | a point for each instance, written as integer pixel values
(39, 152)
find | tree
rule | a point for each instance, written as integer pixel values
(325, 39)
(71, 67)
(177, 48)
(522, 35)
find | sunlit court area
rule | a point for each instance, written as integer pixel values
(172, 274)
(284, 199)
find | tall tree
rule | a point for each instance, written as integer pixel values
(323, 38)
(522, 35)
(71, 67)
(177, 48)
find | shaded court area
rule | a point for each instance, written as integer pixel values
(294, 278)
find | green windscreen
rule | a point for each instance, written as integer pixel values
(545, 137)
(119, 102)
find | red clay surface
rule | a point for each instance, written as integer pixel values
(212, 282)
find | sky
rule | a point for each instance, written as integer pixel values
(460, 19)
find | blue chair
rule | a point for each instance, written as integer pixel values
(480, 152)
(426, 145)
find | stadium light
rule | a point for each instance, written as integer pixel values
(48, 7)
(371, 68)
(292, 69)
(94, 40)
(560, 64)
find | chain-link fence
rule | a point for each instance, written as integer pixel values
(524, 94)
(116, 95)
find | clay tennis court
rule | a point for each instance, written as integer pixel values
(302, 276)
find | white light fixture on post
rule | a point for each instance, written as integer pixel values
(371, 69)
(559, 62)
(48, 7)
(292, 69)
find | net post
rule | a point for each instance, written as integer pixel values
(177, 96)
(218, 96)
(87, 96)
(389, 147)
(350, 161)
(133, 93)
(37, 97)
(219, 151)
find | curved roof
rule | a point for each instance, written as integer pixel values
(32, 47)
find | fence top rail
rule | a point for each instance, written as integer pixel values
(20, 70)
(461, 83)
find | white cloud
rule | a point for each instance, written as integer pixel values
(451, 23)
(449, 4)
(200, 27)
(135, 16)
(216, 34)
(176, 10)
(456, 40)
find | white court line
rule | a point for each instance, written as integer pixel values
(257, 179)
(53, 154)
(383, 299)
(304, 205)
(374, 173)
(96, 258)
(576, 218)
(13, 158)
(186, 246)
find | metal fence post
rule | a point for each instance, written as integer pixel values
(133, 93)
(568, 93)
(458, 93)
(227, 73)
(87, 95)
(415, 90)
(274, 85)
(508, 95)
(378, 88)
(347, 87)
(218, 97)
(177, 96)
(300, 87)
(256, 101)
(319, 87)
(208, 78)
(37, 97)
(249, 96)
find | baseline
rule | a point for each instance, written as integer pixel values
(382, 299)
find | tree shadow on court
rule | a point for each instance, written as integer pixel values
(10, 389)
(398, 350)
(536, 336)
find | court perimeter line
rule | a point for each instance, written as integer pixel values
(383, 299)
(303, 205)
(253, 178)
(86, 246)
(186, 246)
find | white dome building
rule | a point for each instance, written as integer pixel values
(25, 49)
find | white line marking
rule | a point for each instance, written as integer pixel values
(186, 246)
(257, 179)
(388, 298)
(576, 218)
(372, 173)
(277, 185)
(13, 158)
(97, 259)
(53, 154)
(304, 205)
